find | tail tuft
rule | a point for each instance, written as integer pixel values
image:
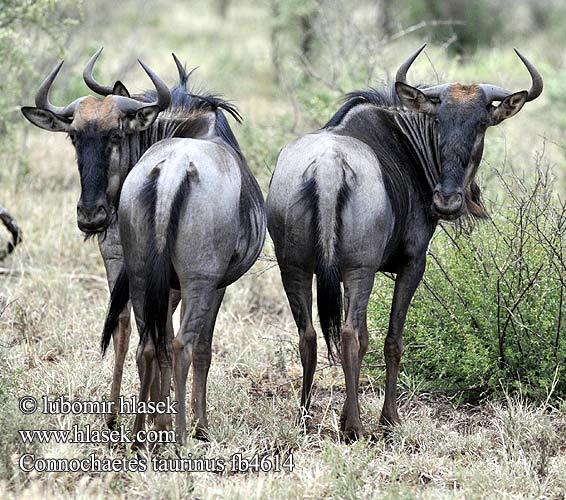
(156, 301)
(119, 298)
(329, 303)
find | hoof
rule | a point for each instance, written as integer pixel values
(111, 421)
(163, 423)
(353, 433)
(201, 433)
(389, 420)
(352, 429)
(303, 419)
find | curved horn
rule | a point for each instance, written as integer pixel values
(42, 96)
(494, 93)
(129, 105)
(436, 90)
(163, 92)
(537, 83)
(92, 84)
(183, 77)
(402, 71)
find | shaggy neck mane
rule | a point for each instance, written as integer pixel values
(405, 143)
(184, 118)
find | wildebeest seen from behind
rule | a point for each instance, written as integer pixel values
(110, 133)
(364, 194)
(191, 218)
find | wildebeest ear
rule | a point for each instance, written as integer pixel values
(142, 118)
(509, 107)
(45, 119)
(414, 99)
(120, 89)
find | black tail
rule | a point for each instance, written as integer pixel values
(328, 274)
(118, 300)
(160, 273)
(156, 300)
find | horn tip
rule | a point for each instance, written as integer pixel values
(142, 64)
(521, 56)
(97, 53)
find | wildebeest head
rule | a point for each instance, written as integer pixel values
(99, 128)
(462, 114)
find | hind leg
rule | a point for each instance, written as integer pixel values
(202, 356)
(197, 299)
(145, 360)
(298, 287)
(358, 285)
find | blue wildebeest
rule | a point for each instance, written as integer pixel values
(364, 194)
(192, 219)
(110, 134)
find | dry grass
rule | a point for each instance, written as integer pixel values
(53, 299)
(49, 338)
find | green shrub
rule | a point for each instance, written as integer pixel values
(491, 310)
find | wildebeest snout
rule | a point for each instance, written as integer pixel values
(93, 217)
(447, 203)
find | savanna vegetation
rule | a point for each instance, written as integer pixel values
(483, 377)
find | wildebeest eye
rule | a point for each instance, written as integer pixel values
(73, 137)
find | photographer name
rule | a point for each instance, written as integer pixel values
(131, 405)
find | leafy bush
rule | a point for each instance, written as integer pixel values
(491, 311)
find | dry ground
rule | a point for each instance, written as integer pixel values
(49, 346)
